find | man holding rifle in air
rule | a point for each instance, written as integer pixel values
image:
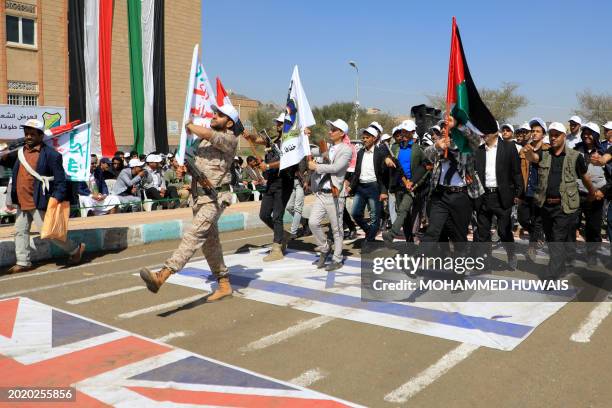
(209, 166)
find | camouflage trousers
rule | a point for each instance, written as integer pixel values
(203, 234)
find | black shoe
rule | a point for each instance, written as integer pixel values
(388, 236)
(512, 262)
(333, 266)
(293, 236)
(322, 258)
(351, 234)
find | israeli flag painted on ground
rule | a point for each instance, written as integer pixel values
(296, 283)
(298, 116)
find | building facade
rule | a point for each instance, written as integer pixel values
(34, 67)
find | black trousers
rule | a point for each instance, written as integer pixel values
(273, 204)
(558, 228)
(491, 206)
(593, 217)
(530, 218)
(154, 194)
(449, 212)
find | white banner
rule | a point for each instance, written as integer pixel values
(75, 148)
(13, 116)
(298, 116)
(198, 103)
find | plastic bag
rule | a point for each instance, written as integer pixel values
(55, 224)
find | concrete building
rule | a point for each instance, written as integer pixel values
(34, 58)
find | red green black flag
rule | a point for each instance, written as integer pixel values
(462, 96)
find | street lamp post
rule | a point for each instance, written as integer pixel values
(354, 65)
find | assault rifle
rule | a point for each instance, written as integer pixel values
(197, 175)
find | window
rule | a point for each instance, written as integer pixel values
(20, 30)
(26, 100)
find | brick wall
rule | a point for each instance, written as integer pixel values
(53, 50)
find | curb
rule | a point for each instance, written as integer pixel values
(116, 238)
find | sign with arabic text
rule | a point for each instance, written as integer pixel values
(13, 116)
(75, 148)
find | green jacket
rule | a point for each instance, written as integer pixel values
(570, 199)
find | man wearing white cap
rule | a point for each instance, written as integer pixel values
(154, 182)
(279, 187)
(129, 182)
(607, 143)
(367, 183)
(507, 132)
(213, 156)
(557, 195)
(573, 137)
(591, 210)
(38, 180)
(328, 188)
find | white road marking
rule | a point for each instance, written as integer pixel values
(92, 264)
(299, 328)
(105, 295)
(592, 322)
(309, 377)
(431, 374)
(173, 335)
(163, 306)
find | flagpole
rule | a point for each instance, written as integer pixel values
(448, 85)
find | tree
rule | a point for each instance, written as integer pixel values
(594, 107)
(264, 116)
(503, 102)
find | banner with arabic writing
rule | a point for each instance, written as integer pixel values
(75, 148)
(13, 116)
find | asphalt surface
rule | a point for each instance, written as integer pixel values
(358, 362)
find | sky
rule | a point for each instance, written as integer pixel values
(552, 49)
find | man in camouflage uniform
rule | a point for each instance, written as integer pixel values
(214, 158)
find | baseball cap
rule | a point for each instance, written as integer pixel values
(228, 110)
(377, 126)
(539, 122)
(524, 126)
(106, 160)
(576, 119)
(436, 128)
(593, 126)
(608, 125)
(34, 124)
(153, 158)
(338, 124)
(281, 117)
(385, 137)
(427, 140)
(371, 130)
(135, 163)
(408, 125)
(558, 126)
(507, 125)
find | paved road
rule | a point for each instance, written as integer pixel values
(567, 361)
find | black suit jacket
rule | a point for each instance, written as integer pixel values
(507, 171)
(380, 169)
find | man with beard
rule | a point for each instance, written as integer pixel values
(213, 157)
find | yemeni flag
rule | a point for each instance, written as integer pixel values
(222, 97)
(462, 98)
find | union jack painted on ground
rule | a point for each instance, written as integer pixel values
(41, 346)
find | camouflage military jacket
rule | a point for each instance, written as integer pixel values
(214, 157)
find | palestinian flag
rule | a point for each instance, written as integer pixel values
(462, 96)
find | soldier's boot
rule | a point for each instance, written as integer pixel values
(223, 290)
(154, 280)
(286, 238)
(276, 254)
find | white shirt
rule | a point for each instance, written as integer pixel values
(490, 177)
(367, 175)
(572, 140)
(455, 181)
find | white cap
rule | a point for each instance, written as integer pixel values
(509, 126)
(524, 126)
(558, 126)
(338, 124)
(170, 155)
(281, 118)
(35, 124)
(371, 130)
(427, 140)
(377, 126)
(576, 119)
(408, 124)
(436, 127)
(593, 126)
(608, 125)
(135, 163)
(126, 154)
(228, 110)
(153, 158)
(538, 121)
(385, 137)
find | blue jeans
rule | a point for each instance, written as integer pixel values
(367, 194)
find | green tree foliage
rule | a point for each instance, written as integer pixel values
(595, 107)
